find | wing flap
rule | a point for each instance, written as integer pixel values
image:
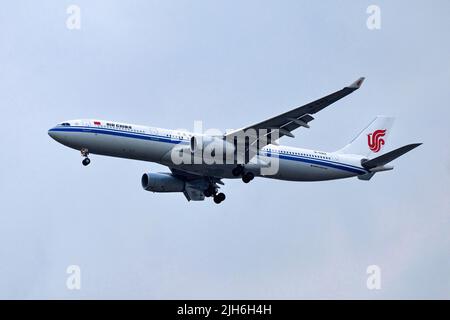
(193, 194)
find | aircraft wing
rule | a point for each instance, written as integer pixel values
(289, 121)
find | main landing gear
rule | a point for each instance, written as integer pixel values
(219, 197)
(212, 192)
(85, 154)
(246, 176)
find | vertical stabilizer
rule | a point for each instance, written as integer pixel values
(372, 140)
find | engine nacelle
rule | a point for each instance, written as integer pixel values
(162, 182)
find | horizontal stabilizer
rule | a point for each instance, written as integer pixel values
(388, 157)
(367, 176)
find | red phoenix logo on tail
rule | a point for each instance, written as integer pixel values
(375, 140)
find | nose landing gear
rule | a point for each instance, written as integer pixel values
(86, 161)
(85, 153)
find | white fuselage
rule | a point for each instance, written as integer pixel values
(131, 141)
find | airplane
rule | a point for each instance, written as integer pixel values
(198, 179)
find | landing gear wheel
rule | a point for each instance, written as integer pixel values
(86, 161)
(210, 191)
(207, 193)
(218, 198)
(221, 196)
(246, 178)
(85, 154)
(237, 171)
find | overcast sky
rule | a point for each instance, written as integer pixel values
(229, 64)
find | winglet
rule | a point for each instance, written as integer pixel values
(357, 84)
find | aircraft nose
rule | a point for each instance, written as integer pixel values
(53, 134)
(57, 134)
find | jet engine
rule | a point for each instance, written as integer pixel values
(162, 182)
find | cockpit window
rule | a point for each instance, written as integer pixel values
(65, 124)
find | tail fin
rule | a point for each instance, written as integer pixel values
(371, 140)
